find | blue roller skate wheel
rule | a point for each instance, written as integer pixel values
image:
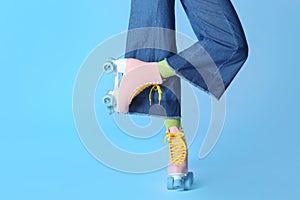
(192, 176)
(178, 184)
(170, 182)
(188, 181)
(108, 100)
(109, 67)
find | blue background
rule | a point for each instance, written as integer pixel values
(43, 44)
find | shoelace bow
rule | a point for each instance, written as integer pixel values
(155, 87)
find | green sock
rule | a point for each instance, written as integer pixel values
(173, 122)
(165, 70)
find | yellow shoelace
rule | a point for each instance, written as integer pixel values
(177, 147)
(155, 87)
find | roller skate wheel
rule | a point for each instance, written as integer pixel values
(188, 181)
(108, 100)
(178, 184)
(170, 182)
(109, 67)
(191, 176)
(174, 184)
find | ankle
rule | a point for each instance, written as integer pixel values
(165, 70)
(170, 123)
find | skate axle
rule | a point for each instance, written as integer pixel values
(109, 67)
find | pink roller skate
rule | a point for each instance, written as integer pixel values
(135, 76)
(179, 177)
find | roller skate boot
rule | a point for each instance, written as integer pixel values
(132, 76)
(179, 178)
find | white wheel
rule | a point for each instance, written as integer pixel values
(108, 100)
(109, 67)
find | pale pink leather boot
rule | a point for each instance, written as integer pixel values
(137, 76)
(179, 177)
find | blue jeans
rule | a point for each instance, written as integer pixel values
(210, 64)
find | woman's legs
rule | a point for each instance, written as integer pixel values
(210, 64)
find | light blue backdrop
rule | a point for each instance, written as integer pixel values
(43, 44)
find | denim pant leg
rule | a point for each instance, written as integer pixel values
(151, 38)
(216, 58)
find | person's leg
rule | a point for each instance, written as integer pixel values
(212, 62)
(216, 58)
(151, 38)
